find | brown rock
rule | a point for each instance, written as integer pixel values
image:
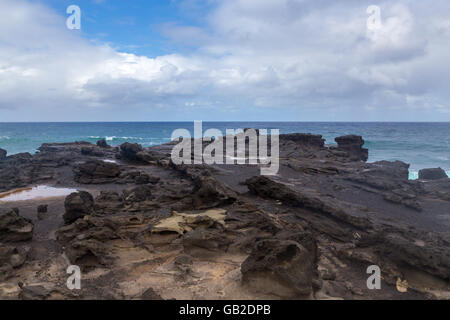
(280, 267)
(14, 228)
(77, 205)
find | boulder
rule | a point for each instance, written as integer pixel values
(432, 174)
(3, 153)
(42, 211)
(150, 294)
(77, 205)
(138, 194)
(129, 151)
(305, 139)
(108, 202)
(352, 144)
(209, 193)
(389, 169)
(102, 143)
(42, 208)
(281, 267)
(11, 257)
(91, 151)
(14, 228)
(34, 292)
(96, 172)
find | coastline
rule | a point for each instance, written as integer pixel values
(142, 227)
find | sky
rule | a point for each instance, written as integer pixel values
(230, 60)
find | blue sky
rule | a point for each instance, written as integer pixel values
(183, 60)
(135, 26)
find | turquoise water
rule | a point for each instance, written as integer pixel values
(423, 145)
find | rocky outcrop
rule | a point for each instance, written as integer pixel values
(305, 139)
(281, 267)
(3, 154)
(129, 151)
(78, 205)
(352, 144)
(346, 212)
(85, 242)
(11, 257)
(14, 228)
(96, 172)
(102, 143)
(432, 174)
(157, 229)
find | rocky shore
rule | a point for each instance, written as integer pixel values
(142, 227)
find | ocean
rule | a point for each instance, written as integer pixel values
(422, 145)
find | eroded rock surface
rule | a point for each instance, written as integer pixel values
(142, 227)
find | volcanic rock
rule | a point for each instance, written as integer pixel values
(14, 228)
(96, 172)
(102, 143)
(432, 174)
(129, 150)
(352, 144)
(280, 267)
(78, 205)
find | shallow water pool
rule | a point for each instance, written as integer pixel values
(37, 192)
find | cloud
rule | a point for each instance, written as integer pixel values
(277, 58)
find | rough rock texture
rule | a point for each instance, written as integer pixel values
(432, 174)
(78, 205)
(102, 143)
(129, 151)
(282, 267)
(96, 172)
(13, 227)
(306, 140)
(353, 145)
(3, 154)
(157, 230)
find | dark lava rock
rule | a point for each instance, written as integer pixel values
(281, 267)
(305, 139)
(432, 174)
(3, 154)
(77, 205)
(102, 143)
(129, 150)
(209, 193)
(108, 202)
(142, 179)
(352, 144)
(150, 294)
(42, 208)
(85, 241)
(11, 257)
(14, 228)
(138, 194)
(42, 211)
(96, 172)
(34, 292)
(390, 169)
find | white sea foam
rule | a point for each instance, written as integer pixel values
(111, 138)
(109, 161)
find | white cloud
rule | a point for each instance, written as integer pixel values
(252, 55)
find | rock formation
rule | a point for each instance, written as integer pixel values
(142, 227)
